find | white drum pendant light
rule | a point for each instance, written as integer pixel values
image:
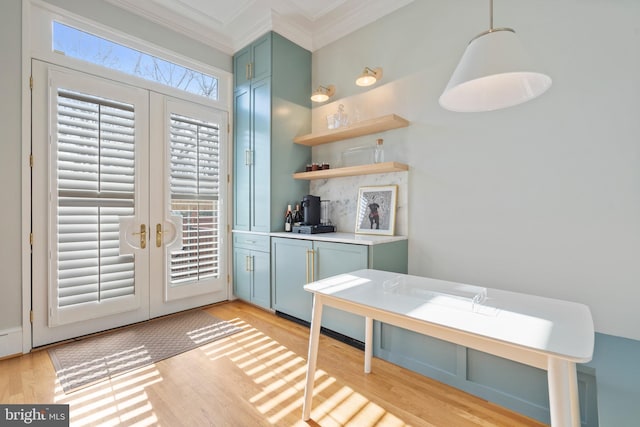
(494, 73)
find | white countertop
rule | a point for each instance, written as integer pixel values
(356, 239)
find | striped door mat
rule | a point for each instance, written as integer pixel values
(87, 361)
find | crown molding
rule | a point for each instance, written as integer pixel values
(167, 18)
(339, 22)
(309, 30)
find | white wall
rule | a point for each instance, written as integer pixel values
(10, 166)
(542, 198)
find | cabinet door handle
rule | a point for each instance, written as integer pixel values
(251, 263)
(246, 263)
(313, 265)
(248, 157)
(250, 73)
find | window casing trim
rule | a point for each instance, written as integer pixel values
(42, 16)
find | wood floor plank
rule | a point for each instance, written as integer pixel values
(256, 378)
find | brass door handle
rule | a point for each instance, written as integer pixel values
(307, 260)
(313, 266)
(143, 236)
(159, 233)
(311, 262)
(248, 263)
(249, 70)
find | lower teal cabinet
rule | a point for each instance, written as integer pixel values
(291, 262)
(339, 258)
(252, 269)
(296, 262)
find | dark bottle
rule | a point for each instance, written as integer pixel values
(288, 219)
(297, 216)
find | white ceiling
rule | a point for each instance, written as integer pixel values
(229, 25)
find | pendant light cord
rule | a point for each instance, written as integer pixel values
(490, 15)
(491, 29)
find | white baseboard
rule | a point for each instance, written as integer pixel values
(10, 342)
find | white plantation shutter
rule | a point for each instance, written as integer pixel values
(194, 187)
(95, 186)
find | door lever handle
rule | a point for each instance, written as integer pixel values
(159, 233)
(143, 236)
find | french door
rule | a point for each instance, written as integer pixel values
(128, 205)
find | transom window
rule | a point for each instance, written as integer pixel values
(97, 50)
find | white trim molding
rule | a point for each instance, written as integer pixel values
(10, 342)
(229, 27)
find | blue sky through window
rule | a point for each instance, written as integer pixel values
(87, 47)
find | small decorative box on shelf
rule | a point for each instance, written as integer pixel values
(365, 127)
(353, 171)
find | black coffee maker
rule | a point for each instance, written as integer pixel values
(311, 210)
(311, 218)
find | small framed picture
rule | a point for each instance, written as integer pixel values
(376, 213)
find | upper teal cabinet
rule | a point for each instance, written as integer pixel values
(253, 62)
(271, 108)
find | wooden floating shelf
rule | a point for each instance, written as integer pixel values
(353, 171)
(365, 127)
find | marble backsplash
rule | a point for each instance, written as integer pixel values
(343, 194)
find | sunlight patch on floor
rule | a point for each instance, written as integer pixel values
(116, 401)
(281, 375)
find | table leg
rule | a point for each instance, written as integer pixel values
(563, 393)
(573, 393)
(314, 336)
(368, 344)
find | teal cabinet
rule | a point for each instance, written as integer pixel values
(291, 263)
(241, 159)
(252, 269)
(242, 277)
(260, 185)
(296, 262)
(271, 107)
(253, 62)
(339, 258)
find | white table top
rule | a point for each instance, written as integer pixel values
(547, 325)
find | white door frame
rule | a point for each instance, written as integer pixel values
(36, 44)
(154, 295)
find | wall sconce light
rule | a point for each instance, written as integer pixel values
(369, 76)
(323, 93)
(494, 72)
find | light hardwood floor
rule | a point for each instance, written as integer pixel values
(256, 378)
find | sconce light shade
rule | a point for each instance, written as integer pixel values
(369, 76)
(323, 93)
(493, 73)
